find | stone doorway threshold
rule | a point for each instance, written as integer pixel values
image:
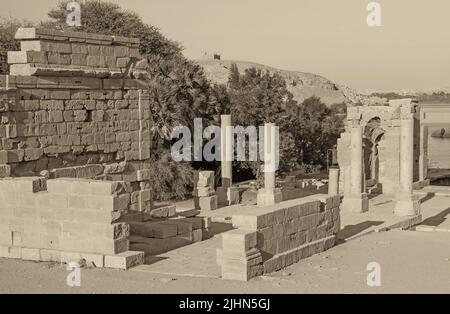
(195, 260)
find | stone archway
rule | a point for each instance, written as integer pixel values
(381, 143)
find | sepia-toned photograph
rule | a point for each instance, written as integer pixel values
(224, 152)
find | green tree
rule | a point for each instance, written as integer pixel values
(179, 90)
(178, 87)
(258, 97)
(307, 130)
(317, 130)
(108, 18)
(234, 76)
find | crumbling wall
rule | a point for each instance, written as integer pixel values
(271, 238)
(66, 220)
(75, 105)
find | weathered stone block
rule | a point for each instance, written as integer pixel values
(109, 246)
(238, 240)
(5, 171)
(10, 252)
(203, 192)
(70, 257)
(153, 246)
(125, 260)
(269, 197)
(50, 255)
(228, 196)
(206, 203)
(204, 179)
(31, 254)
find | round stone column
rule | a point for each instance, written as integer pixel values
(269, 195)
(269, 153)
(226, 193)
(226, 145)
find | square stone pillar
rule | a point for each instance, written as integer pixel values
(407, 204)
(269, 195)
(423, 161)
(356, 201)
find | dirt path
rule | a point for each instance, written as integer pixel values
(410, 262)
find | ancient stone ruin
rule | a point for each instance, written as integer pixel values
(75, 168)
(74, 155)
(271, 238)
(383, 150)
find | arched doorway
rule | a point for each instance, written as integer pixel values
(373, 134)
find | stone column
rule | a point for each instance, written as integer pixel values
(346, 174)
(423, 161)
(269, 195)
(407, 204)
(226, 145)
(356, 201)
(205, 198)
(227, 195)
(333, 181)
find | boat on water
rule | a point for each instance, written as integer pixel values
(441, 133)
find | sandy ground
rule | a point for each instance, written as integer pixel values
(411, 262)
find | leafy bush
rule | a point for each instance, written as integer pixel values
(258, 98)
(317, 129)
(169, 179)
(307, 130)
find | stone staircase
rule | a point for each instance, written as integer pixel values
(160, 235)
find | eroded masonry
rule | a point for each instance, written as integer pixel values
(383, 150)
(75, 180)
(75, 148)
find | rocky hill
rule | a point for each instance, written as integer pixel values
(301, 85)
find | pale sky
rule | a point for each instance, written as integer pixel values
(411, 50)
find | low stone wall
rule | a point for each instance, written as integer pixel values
(66, 220)
(272, 238)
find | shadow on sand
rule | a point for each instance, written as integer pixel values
(352, 230)
(438, 219)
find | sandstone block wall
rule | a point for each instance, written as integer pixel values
(65, 220)
(74, 105)
(269, 239)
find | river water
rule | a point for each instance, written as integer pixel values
(438, 151)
